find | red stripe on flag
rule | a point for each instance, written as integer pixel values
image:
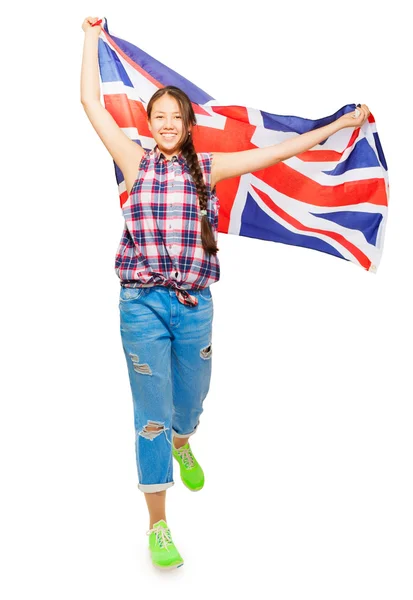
(239, 113)
(353, 138)
(127, 113)
(226, 192)
(234, 137)
(290, 182)
(198, 110)
(356, 252)
(328, 155)
(123, 197)
(132, 62)
(320, 156)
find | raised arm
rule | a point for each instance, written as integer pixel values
(233, 164)
(126, 153)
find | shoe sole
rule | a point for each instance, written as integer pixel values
(192, 489)
(170, 568)
(167, 567)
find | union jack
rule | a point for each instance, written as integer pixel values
(332, 198)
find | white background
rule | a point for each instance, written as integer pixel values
(306, 435)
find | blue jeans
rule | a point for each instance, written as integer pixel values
(168, 352)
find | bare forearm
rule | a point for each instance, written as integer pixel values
(305, 141)
(89, 80)
(234, 164)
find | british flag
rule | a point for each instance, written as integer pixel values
(332, 198)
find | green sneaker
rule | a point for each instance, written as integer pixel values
(163, 551)
(192, 474)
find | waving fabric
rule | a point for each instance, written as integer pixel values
(332, 198)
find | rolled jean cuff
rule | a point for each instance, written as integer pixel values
(154, 487)
(184, 435)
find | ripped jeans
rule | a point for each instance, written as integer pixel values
(168, 350)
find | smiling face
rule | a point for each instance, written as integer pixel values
(167, 125)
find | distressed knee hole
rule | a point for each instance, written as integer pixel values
(206, 352)
(152, 429)
(142, 368)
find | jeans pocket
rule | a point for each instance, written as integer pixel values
(128, 294)
(205, 293)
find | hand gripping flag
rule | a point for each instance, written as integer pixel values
(332, 198)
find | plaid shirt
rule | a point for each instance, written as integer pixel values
(161, 241)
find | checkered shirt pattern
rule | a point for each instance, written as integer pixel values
(161, 241)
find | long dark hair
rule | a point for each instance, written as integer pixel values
(188, 152)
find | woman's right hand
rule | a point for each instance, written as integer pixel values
(355, 119)
(87, 25)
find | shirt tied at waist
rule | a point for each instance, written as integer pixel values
(183, 296)
(186, 298)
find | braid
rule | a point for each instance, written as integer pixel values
(207, 235)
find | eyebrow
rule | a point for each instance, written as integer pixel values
(175, 112)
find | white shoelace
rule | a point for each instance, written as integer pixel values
(163, 536)
(187, 457)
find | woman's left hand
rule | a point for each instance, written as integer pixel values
(349, 120)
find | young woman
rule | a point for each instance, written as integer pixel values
(166, 262)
